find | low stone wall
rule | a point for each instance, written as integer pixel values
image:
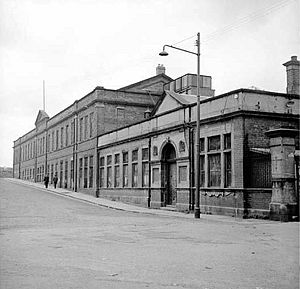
(245, 203)
(134, 196)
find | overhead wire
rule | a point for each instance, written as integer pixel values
(240, 22)
(247, 19)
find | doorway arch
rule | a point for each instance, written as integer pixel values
(169, 174)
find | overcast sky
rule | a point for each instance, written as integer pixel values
(76, 45)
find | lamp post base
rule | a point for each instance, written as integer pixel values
(197, 213)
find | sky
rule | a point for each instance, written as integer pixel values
(76, 45)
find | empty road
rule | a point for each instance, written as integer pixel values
(49, 241)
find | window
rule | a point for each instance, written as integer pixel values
(48, 143)
(134, 155)
(61, 174)
(91, 123)
(214, 143)
(145, 154)
(67, 135)
(61, 137)
(214, 169)
(80, 172)
(109, 172)
(125, 157)
(85, 176)
(72, 132)
(66, 175)
(227, 141)
(227, 168)
(91, 172)
(72, 174)
(117, 170)
(181, 146)
(41, 146)
(56, 147)
(85, 127)
(101, 171)
(202, 144)
(145, 167)
(52, 146)
(125, 169)
(52, 173)
(182, 174)
(134, 175)
(202, 171)
(80, 129)
(134, 168)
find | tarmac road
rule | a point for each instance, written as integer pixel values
(49, 241)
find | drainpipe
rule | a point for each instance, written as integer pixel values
(75, 147)
(46, 153)
(20, 155)
(149, 174)
(35, 159)
(97, 171)
(191, 160)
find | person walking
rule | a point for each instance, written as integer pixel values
(55, 180)
(46, 181)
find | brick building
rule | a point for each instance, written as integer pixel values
(66, 143)
(248, 140)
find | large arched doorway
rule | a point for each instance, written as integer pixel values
(169, 174)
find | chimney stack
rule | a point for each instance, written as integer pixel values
(160, 69)
(293, 75)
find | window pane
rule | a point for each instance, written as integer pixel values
(202, 145)
(109, 158)
(101, 177)
(227, 159)
(85, 172)
(102, 161)
(117, 158)
(125, 157)
(214, 162)
(109, 183)
(125, 175)
(227, 141)
(214, 143)
(134, 175)
(145, 174)
(117, 176)
(145, 154)
(91, 172)
(134, 155)
(202, 171)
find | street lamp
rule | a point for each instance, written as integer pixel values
(197, 165)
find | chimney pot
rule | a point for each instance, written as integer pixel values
(160, 69)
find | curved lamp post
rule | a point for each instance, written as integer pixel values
(197, 163)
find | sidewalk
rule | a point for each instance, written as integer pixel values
(130, 208)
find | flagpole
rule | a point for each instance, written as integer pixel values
(44, 95)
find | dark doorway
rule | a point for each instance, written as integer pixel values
(169, 174)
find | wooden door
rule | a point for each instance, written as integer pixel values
(171, 184)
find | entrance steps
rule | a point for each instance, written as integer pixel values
(168, 208)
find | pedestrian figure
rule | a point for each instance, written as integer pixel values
(55, 180)
(46, 181)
